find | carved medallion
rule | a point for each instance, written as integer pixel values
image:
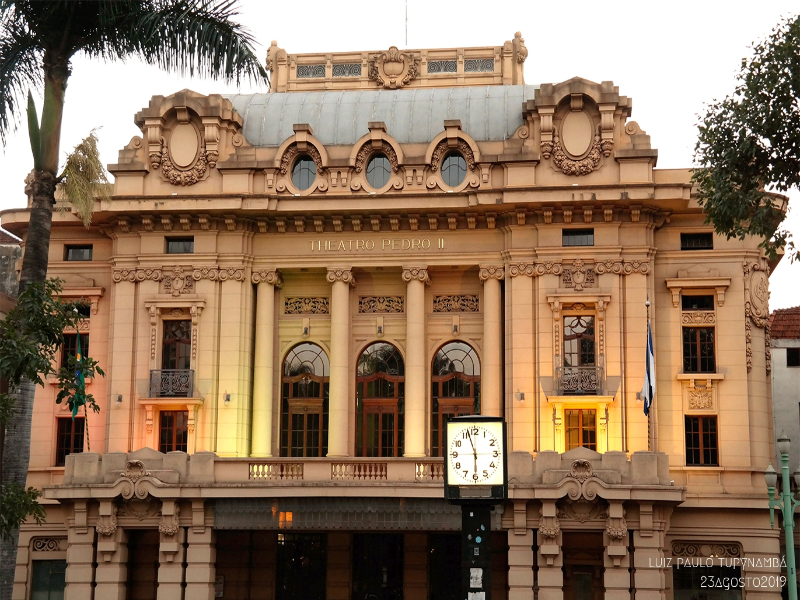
(393, 69)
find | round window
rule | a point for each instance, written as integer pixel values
(304, 172)
(454, 169)
(378, 171)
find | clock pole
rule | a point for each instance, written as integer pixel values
(476, 477)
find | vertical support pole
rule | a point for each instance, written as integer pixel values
(340, 280)
(416, 279)
(263, 370)
(476, 551)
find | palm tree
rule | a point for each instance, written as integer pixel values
(37, 42)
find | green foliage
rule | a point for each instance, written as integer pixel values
(70, 383)
(84, 179)
(34, 134)
(16, 505)
(748, 144)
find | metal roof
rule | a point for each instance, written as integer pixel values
(491, 112)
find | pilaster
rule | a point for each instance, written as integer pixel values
(201, 556)
(341, 279)
(263, 369)
(112, 565)
(416, 384)
(520, 556)
(616, 578)
(550, 558)
(491, 403)
(80, 555)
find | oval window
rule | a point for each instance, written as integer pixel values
(304, 173)
(454, 169)
(378, 171)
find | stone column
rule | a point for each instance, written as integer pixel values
(80, 555)
(521, 366)
(416, 279)
(551, 558)
(616, 578)
(338, 425)
(263, 370)
(201, 556)
(520, 555)
(648, 556)
(491, 403)
(112, 564)
(170, 553)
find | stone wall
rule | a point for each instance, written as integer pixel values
(9, 255)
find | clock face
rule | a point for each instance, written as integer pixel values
(475, 453)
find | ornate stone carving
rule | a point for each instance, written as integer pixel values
(456, 303)
(139, 508)
(168, 524)
(179, 282)
(381, 304)
(622, 268)
(419, 273)
(443, 148)
(46, 544)
(617, 532)
(518, 44)
(491, 272)
(292, 151)
(578, 276)
(177, 176)
(134, 470)
(700, 398)
(570, 166)
(345, 275)
(699, 317)
(218, 273)
(756, 308)
(303, 305)
(271, 276)
(706, 549)
(108, 525)
(550, 530)
(367, 149)
(393, 69)
(535, 269)
(582, 509)
(581, 470)
(136, 275)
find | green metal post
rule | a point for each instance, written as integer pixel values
(788, 505)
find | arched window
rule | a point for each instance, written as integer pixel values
(304, 401)
(378, 171)
(454, 169)
(380, 387)
(304, 172)
(455, 388)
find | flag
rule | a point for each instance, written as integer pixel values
(80, 383)
(649, 387)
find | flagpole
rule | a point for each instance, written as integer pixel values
(647, 357)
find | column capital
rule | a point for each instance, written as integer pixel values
(271, 276)
(491, 272)
(416, 273)
(534, 269)
(344, 274)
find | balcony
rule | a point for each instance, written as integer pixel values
(171, 383)
(579, 381)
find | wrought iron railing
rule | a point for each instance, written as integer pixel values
(171, 383)
(579, 381)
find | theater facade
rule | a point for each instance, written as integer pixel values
(290, 293)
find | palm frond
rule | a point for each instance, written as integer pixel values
(20, 68)
(196, 37)
(84, 179)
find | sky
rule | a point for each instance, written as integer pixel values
(669, 57)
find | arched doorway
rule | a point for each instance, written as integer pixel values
(455, 388)
(380, 387)
(304, 401)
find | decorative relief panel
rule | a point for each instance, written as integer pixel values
(571, 166)
(700, 398)
(582, 510)
(179, 282)
(756, 308)
(307, 305)
(48, 544)
(476, 65)
(578, 276)
(347, 70)
(393, 69)
(535, 269)
(456, 303)
(444, 66)
(706, 549)
(443, 148)
(622, 268)
(136, 275)
(381, 304)
(699, 317)
(367, 150)
(310, 71)
(292, 151)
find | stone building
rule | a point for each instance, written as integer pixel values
(291, 291)
(10, 253)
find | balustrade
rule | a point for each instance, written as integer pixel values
(579, 381)
(171, 383)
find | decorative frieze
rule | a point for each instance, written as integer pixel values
(135, 274)
(706, 549)
(477, 65)
(307, 305)
(49, 544)
(450, 303)
(622, 267)
(270, 276)
(491, 272)
(381, 304)
(699, 317)
(347, 70)
(534, 269)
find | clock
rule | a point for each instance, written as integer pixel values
(475, 458)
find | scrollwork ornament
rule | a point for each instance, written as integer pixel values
(442, 149)
(491, 273)
(178, 176)
(367, 150)
(570, 166)
(416, 273)
(270, 276)
(581, 470)
(42, 544)
(517, 269)
(344, 275)
(292, 151)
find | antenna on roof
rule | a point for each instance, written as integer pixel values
(406, 23)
